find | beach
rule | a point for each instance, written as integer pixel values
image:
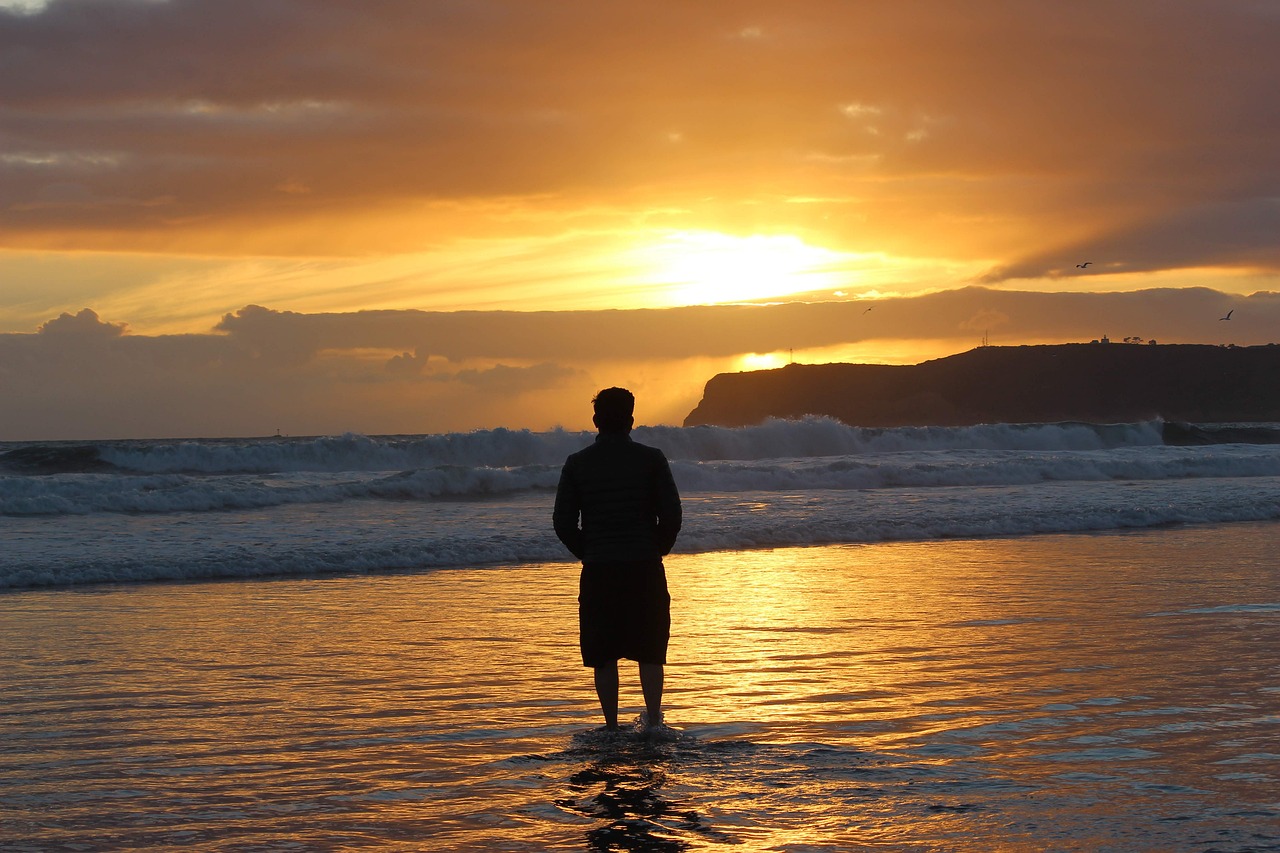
(1100, 691)
(954, 327)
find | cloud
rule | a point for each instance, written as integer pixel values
(1225, 234)
(985, 319)
(263, 369)
(507, 380)
(973, 131)
(83, 326)
(585, 337)
(407, 363)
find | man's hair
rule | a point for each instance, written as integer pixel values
(614, 409)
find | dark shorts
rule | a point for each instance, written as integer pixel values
(624, 611)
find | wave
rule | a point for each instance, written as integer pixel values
(84, 494)
(349, 452)
(976, 468)
(300, 541)
(504, 448)
(815, 453)
(167, 493)
(1183, 434)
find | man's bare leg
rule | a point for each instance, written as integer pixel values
(607, 690)
(651, 677)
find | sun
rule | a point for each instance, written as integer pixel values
(706, 268)
(761, 361)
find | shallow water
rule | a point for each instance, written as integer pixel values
(1117, 691)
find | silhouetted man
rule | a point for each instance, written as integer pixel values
(617, 509)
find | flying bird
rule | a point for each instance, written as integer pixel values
(1082, 266)
(868, 309)
(1229, 313)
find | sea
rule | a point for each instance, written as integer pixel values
(129, 511)
(998, 637)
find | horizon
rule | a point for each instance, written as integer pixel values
(387, 219)
(278, 359)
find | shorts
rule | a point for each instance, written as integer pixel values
(624, 611)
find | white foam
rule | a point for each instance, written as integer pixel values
(197, 477)
(353, 503)
(807, 438)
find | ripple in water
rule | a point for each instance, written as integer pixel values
(1063, 692)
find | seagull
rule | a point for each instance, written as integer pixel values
(1082, 266)
(1229, 313)
(868, 309)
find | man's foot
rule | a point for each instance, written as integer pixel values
(660, 732)
(647, 724)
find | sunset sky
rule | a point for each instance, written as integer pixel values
(228, 217)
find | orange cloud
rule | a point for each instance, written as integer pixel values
(928, 129)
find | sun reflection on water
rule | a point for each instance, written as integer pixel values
(1045, 693)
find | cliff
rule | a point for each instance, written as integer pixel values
(1100, 383)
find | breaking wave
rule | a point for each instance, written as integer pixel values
(817, 453)
(503, 448)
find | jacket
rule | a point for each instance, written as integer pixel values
(617, 500)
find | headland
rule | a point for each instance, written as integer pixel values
(1097, 382)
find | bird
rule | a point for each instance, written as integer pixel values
(1082, 266)
(1229, 313)
(868, 309)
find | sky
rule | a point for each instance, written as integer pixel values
(237, 217)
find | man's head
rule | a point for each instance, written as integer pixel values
(614, 409)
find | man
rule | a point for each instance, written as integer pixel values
(617, 509)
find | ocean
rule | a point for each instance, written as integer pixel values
(1011, 636)
(75, 513)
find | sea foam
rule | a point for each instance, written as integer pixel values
(195, 476)
(504, 448)
(135, 510)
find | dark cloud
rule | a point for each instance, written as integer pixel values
(981, 129)
(407, 363)
(263, 370)
(720, 331)
(1229, 234)
(507, 380)
(85, 326)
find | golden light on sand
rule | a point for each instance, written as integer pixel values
(707, 267)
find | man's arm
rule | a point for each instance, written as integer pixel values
(565, 515)
(667, 506)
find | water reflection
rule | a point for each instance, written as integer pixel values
(621, 786)
(1047, 693)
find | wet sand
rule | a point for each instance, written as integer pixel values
(1116, 691)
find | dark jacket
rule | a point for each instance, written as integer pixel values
(626, 498)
